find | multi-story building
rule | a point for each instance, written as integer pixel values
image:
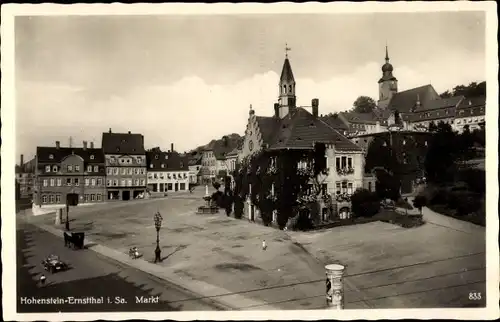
(194, 169)
(167, 171)
(208, 166)
(125, 159)
(64, 172)
(294, 127)
(470, 113)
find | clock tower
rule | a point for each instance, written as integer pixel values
(287, 98)
(388, 84)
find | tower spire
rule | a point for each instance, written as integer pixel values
(287, 49)
(386, 53)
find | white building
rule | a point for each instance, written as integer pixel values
(167, 172)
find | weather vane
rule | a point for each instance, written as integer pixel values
(287, 49)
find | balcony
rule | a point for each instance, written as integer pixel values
(345, 171)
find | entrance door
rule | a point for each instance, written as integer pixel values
(176, 186)
(126, 195)
(252, 213)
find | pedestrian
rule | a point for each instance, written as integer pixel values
(42, 280)
(264, 246)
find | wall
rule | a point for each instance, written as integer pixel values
(253, 134)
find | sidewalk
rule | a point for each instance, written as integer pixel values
(204, 290)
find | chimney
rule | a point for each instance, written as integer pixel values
(109, 130)
(276, 109)
(22, 160)
(171, 147)
(315, 106)
(91, 145)
(85, 145)
(58, 144)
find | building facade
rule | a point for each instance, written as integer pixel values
(293, 127)
(194, 170)
(25, 177)
(470, 113)
(125, 161)
(167, 172)
(65, 171)
(208, 166)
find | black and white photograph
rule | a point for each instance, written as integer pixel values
(250, 161)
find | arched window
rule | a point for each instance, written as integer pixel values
(290, 88)
(284, 89)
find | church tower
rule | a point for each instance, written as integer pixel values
(388, 84)
(287, 98)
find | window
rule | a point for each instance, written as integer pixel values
(77, 182)
(337, 163)
(124, 171)
(156, 157)
(45, 182)
(136, 182)
(91, 157)
(130, 171)
(58, 198)
(59, 182)
(139, 160)
(163, 165)
(44, 199)
(92, 182)
(123, 182)
(369, 186)
(99, 197)
(54, 168)
(96, 168)
(109, 183)
(110, 171)
(92, 197)
(51, 156)
(155, 176)
(349, 188)
(115, 171)
(52, 182)
(68, 181)
(86, 198)
(52, 198)
(89, 168)
(151, 165)
(47, 168)
(337, 188)
(129, 182)
(349, 162)
(344, 162)
(115, 182)
(344, 187)
(70, 168)
(99, 181)
(142, 182)
(77, 168)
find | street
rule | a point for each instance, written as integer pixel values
(90, 275)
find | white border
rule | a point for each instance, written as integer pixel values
(9, 11)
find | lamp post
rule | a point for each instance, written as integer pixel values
(157, 219)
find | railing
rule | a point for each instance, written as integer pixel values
(345, 171)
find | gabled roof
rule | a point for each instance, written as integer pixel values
(335, 122)
(405, 101)
(286, 73)
(300, 130)
(166, 161)
(44, 154)
(441, 103)
(123, 143)
(479, 101)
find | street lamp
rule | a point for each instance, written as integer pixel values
(157, 219)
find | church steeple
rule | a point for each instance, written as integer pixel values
(287, 98)
(388, 84)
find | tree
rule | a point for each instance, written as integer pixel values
(472, 90)
(432, 127)
(364, 104)
(365, 203)
(441, 154)
(419, 202)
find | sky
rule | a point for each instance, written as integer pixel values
(190, 79)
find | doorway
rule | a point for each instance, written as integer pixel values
(125, 195)
(176, 186)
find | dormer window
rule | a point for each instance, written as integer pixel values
(166, 156)
(47, 168)
(163, 165)
(139, 159)
(54, 168)
(92, 157)
(117, 149)
(51, 156)
(151, 165)
(182, 165)
(156, 157)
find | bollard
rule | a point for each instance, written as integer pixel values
(58, 216)
(334, 287)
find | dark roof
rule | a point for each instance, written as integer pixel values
(441, 103)
(406, 100)
(195, 160)
(286, 73)
(365, 118)
(479, 101)
(171, 161)
(300, 130)
(123, 143)
(401, 132)
(268, 127)
(335, 122)
(43, 154)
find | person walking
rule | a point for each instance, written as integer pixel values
(264, 245)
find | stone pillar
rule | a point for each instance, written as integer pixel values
(58, 216)
(334, 286)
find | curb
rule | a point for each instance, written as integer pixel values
(207, 291)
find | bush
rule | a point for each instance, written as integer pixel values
(365, 203)
(475, 179)
(419, 202)
(468, 205)
(303, 221)
(218, 199)
(439, 197)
